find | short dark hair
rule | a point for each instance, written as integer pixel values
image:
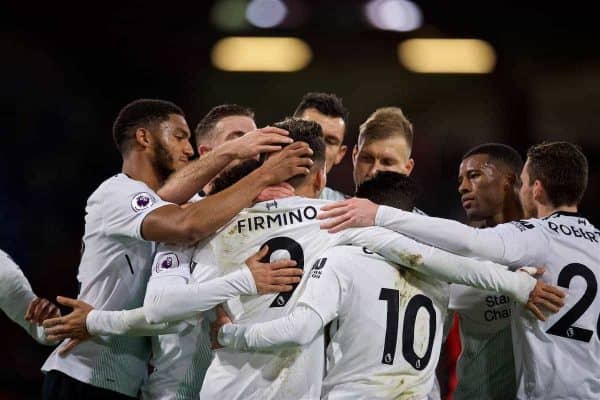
(310, 132)
(392, 189)
(234, 174)
(562, 169)
(301, 131)
(385, 123)
(326, 103)
(499, 152)
(209, 121)
(140, 113)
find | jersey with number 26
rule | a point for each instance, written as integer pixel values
(558, 358)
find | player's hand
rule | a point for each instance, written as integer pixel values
(351, 213)
(280, 191)
(293, 160)
(41, 309)
(263, 140)
(72, 325)
(544, 295)
(274, 277)
(222, 319)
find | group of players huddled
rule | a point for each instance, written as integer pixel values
(241, 275)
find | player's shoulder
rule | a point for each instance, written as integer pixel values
(119, 188)
(332, 195)
(288, 203)
(523, 225)
(123, 185)
(346, 257)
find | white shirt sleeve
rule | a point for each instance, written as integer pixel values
(125, 205)
(169, 302)
(299, 328)
(440, 264)
(15, 296)
(126, 322)
(500, 244)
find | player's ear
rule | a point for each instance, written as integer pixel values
(203, 149)
(539, 193)
(410, 164)
(340, 155)
(354, 155)
(143, 137)
(320, 180)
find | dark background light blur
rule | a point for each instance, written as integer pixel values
(66, 70)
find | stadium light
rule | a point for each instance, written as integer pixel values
(451, 56)
(261, 54)
(393, 15)
(266, 13)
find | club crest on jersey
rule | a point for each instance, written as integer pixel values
(317, 267)
(141, 201)
(270, 205)
(167, 262)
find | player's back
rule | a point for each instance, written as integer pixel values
(388, 331)
(560, 358)
(290, 228)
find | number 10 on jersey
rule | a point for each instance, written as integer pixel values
(392, 297)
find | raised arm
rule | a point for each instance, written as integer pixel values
(173, 303)
(171, 223)
(449, 267)
(188, 181)
(513, 244)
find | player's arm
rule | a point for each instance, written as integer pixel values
(500, 244)
(298, 328)
(318, 305)
(19, 302)
(172, 223)
(188, 181)
(170, 303)
(452, 268)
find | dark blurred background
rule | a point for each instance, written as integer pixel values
(66, 70)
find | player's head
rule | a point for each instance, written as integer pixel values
(221, 124)
(327, 110)
(554, 175)
(156, 129)
(384, 144)
(390, 188)
(310, 132)
(488, 177)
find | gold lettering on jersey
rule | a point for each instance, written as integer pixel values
(569, 230)
(269, 221)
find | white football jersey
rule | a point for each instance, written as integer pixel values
(388, 325)
(15, 296)
(331, 194)
(113, 272)
(558, 358)
(180, 360)
(485, 368)
(290, 228)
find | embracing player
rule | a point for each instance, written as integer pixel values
(557, 358)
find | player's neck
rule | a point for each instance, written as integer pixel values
(141, 169)
(543, 210)
(511, 211)
(305, 191)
